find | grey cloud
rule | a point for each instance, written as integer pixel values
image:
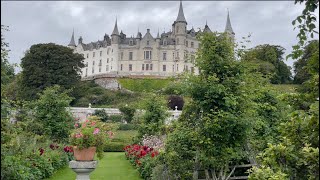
(43, 22)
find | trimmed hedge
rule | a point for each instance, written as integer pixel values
(126, 127)
(115, 147)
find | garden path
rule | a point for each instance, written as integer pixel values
(113, 166)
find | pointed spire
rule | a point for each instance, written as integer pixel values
(158, 36)
(181, 17)
(115, 30)
(72, 43)
(228, 25)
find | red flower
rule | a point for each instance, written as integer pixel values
(154, 153)
(41, 151)
(143, 153)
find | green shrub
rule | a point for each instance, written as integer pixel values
(128, 112)
(101, 113)
(115, 147)
(126, 127)
(115, 118)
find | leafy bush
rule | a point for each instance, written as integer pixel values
(114, 147)
(50, 111)
(174, 101)
(128, 112)
(115, 118)
(125, 127)
(101, 113)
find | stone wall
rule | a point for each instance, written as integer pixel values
(108, 83)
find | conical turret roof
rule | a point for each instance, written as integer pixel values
(228, 25)
(181, 17)
(115, 30)
(72, 42)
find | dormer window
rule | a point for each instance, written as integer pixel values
(165, 42)
(131, 42)
(148, 43)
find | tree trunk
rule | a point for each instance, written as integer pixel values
(207, 174)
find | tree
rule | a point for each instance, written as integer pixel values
(50, 111)
(7, 69)
(268, 60)
(45, 65)
(301, 66)
(306, 25)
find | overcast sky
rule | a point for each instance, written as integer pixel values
(43, 22)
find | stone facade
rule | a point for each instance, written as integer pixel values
(167, 54)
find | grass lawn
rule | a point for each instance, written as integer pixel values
(120, 140)
(143, 85)
(113, 166)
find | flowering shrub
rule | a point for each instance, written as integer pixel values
(91, 133)
(152, 141)
(143, 157)
(69, 151)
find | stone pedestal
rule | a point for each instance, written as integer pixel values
(83, 168)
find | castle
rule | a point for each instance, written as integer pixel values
(168, 54)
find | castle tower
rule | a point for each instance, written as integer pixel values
(180, 34)
(72, 43)
(115, 34)
(229, 29)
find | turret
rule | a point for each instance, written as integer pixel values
(229, 29)
(115, 34)
(72, 44)
(80, 40)
(180, 25)
(206, 28)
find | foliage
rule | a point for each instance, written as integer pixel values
(307, 61)
(7, 69)
(268, 60)
(120, 140)
(174, 101)
(115, 118)
(143, 85)
(128, 112)
(101, 113)
(126, 127)
(45, 65)
(154, 117)
(90, 134)
(307, 26)
(50, 112)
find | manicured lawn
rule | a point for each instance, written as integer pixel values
(120, 140)
(113, 166)
(143, 85)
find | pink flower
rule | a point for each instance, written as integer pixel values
(87, 120)
(110, 134)
(96, 131)
(93, 123)
(76, 125)
(78, 135)
(84, 125)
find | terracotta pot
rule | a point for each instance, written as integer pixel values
(86, 154)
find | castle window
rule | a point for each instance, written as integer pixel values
(112, 50)
(142, 67)
(147, 54)
(121, 67)
(92, 62)
(177, 67)
(93, 54)
(165, 42)
(130, 67)
(100, 53)
(88, 55)
(177, 40)
(107, 60)
(108, 50)
(177, 54)
(150, 67)
(100, 62)
(121, 55)
(107, 68)
(130, 55)
(192, 58)
(92, 70)
(164, 68)
(164, 56)
(111, 67)
(147, 67)
(86, 73)
(192, 44)
(100, 69)
(148, 43)
(131, 42)
(173, 56)
(187, 43)
(172, 68)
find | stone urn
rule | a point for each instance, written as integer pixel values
(83, 168)
(86, 154)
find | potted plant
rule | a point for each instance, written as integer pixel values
(88, 138)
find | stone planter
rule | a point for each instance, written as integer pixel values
(83, 168)
(86, 154)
